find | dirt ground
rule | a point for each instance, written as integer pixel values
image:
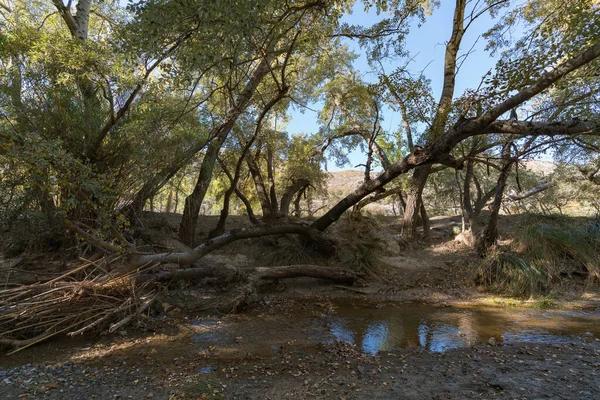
(178, 356)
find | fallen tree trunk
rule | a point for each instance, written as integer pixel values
(189, 257)
(230, 274)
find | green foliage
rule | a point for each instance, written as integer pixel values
(554, 30)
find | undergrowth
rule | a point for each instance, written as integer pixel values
(545, 252)
(291, 253)
(360, 246)
(362, 259)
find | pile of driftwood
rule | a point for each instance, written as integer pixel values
(30, 314)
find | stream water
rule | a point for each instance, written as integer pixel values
(382, 328)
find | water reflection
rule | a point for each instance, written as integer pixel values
(393, 326)
(440, 329)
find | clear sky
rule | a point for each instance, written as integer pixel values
(427, 46)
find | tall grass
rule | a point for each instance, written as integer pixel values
(544, 253)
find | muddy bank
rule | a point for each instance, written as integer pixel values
(336, 371)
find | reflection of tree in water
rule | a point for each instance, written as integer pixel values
(432, 328)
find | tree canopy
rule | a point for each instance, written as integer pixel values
(107, 108)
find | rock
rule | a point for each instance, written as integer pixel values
(492, 341)
(494, 384)
(361, 371)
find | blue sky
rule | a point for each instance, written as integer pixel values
(427, 46)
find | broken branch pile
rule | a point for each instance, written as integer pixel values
(33, 313)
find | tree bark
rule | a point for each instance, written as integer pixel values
(414, 201)
(338, 275)
(288, 195)
(490, 234)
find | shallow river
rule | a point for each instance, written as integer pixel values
(388, 327)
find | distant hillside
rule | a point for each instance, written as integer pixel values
(341, 183)
(544, 168)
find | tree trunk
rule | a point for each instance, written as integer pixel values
(316, 237)
(220, 228)
(297, 211)
(261, 189)
(169, 201)
(424, 221)
(490, 234)
(288, 195)
(271, 177)
(414, 200)
(187, 227)
(339, 275)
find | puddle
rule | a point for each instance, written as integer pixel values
(374, 329)
(438, 329)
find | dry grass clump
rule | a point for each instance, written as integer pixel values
(30, 314)
(363, 259)
(544, 252)
(291, 253)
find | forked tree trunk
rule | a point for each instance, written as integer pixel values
(187, 228)
(414, 201)
(261, 189)
(288, 195)
(490, 234)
